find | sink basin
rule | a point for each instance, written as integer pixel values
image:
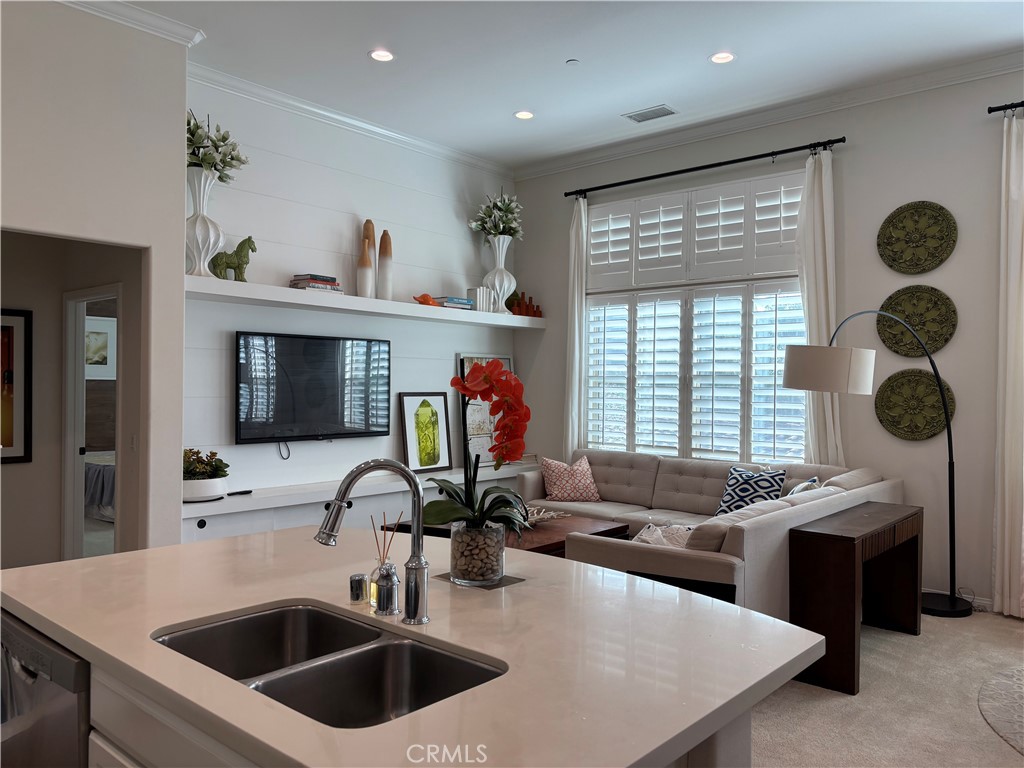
(371, 685)
(248, 646)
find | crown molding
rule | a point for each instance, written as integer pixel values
(249, 90)
(937, 78)
(138, 18)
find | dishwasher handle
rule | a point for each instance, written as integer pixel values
(41, 655)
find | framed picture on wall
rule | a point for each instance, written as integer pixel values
(100, 347)
(479, 425)
(16, 386)
(426, 434)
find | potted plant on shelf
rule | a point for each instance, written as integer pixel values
(479, 519)
(500, 219)
(209, 156)
(203, 476)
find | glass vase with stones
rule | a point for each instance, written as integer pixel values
(478, 554)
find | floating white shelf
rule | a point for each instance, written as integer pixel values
(231, 292)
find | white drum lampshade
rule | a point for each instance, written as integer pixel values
(847, 370)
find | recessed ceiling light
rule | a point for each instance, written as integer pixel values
(524, 115)
(380, 54)
(722, 57)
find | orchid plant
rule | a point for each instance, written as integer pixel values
(501, 215)
(213, 150)
(504, 391)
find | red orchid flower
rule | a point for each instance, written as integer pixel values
(491, 382)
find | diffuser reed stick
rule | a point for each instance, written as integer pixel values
(387, 548)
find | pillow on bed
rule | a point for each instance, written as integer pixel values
(565, 483)
(743, 488)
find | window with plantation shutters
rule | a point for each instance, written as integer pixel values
(692, 299)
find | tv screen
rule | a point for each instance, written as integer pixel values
(310, 387)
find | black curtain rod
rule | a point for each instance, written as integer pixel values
(1006, 107)
(773, 154)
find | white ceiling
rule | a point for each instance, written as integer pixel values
(463, 68)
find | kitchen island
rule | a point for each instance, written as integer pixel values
(603, 669)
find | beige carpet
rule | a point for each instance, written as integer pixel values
(917, 706)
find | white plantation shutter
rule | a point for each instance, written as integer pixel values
(720, 233)
(659, 323)
(660, 241)
(716, 372)
(608, 372)
(776, 202)
(777, 414)
(610, 246)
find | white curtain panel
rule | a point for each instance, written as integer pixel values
(575, 419)
(1008, 549)
(816, 259)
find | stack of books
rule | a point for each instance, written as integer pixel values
(456, 302)
(311, 282)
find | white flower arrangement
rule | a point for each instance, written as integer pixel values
(501, 215)
(213, 150)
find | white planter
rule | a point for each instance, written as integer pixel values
(499, 279)
(203, 235)
(204, 490)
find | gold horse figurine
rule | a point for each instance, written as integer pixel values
(236, 260)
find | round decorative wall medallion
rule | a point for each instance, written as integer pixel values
(917, 237)
(929, 311)
(908, 405)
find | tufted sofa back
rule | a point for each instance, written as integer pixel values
(697, 485)
(621, 476)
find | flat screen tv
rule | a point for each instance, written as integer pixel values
(310, 387)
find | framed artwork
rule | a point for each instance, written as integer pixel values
(426, 434)
(100, 347)
(16, 386)
(479, 425)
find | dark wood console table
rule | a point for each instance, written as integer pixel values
(861, 564)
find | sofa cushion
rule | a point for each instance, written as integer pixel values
(638, 520)
(621, 476)
(709, 536)
(743, 488)
(855, 478)
(812, 495)
(799, 473)
(569, 483)
(598, 510)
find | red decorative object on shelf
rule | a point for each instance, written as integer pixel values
(520, 304)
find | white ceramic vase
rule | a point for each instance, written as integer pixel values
(499, 279)
(203, 235)
(204, 490)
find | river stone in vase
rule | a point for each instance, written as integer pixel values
(203, 235)
(478, 554)
(499, 279)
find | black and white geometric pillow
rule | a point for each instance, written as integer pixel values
(744, 487)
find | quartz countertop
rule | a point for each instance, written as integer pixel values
(604, 669)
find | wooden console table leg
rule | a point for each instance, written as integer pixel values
(825, 582)
(892, 588)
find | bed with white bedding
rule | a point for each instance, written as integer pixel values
(99, 485)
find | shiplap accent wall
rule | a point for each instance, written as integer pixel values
(303, 198)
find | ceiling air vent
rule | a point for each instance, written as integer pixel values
(651, 113)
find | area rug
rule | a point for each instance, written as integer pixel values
(1001, 701)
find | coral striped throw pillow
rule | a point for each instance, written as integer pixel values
(565, 483)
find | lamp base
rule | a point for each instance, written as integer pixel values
(945, 606)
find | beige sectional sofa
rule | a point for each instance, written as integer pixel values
(750, 567)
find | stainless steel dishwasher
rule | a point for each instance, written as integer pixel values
(44, 707)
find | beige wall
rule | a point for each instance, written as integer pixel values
(937, 145)
(36, 273)
(91, 147)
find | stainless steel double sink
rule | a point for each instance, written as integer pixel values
(336, 670)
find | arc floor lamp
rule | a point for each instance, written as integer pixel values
(851, 371)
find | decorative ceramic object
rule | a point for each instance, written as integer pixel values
(204, 490)
(236, 260)
(364, 273)
(482, 298)
(908, 405)
(384, 266)
(370, 238)
(929, 311)
(478, 554)
(203, 235)
(917, 237)
(499, 279)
